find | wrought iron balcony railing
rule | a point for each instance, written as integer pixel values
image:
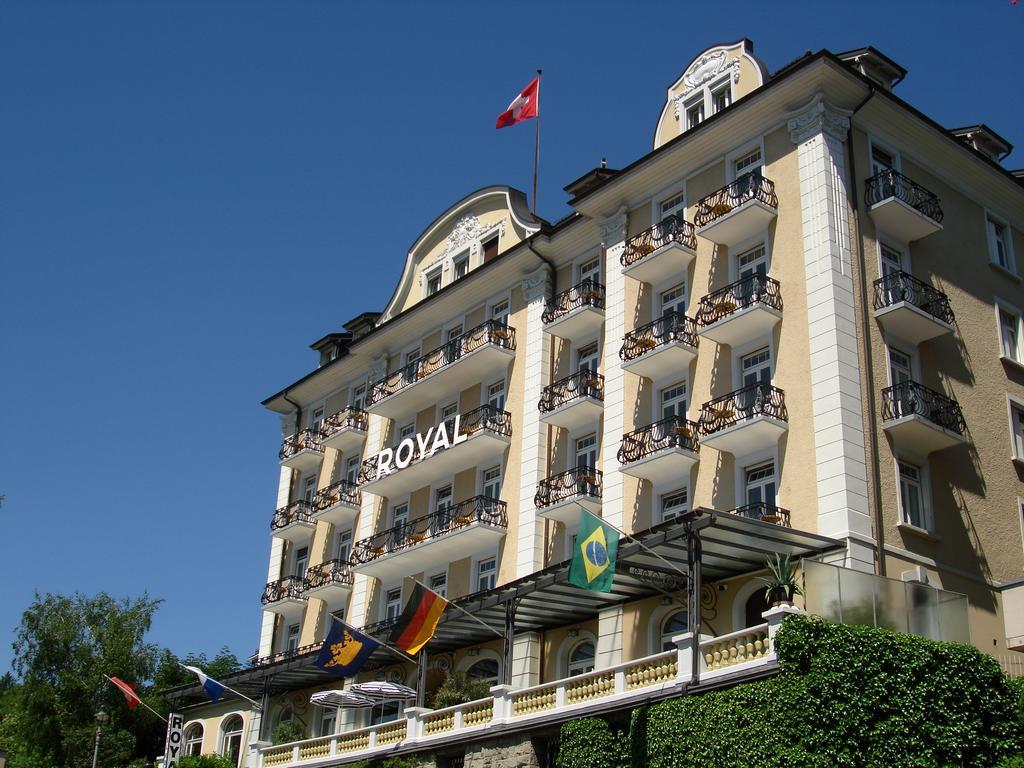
(578, 481)
(298, 511)
(379, 628)
(329, 572)
(346, 418)
(669, 328)
(341, 492)
(750, 186)
(673, 432)
(900, 286)
(283, 589)
(479, 509)
(306, 439)
(742, 405)
(913, 399)
(489, 332)
(588, 293)
(673, 229)
(583, 383)
(744, 293)
(291, 653)
(890, 183)
(765, 512)
(486, 418)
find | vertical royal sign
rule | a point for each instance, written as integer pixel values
(175, 738)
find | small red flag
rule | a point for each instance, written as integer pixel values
(129, 695)
(523, 107)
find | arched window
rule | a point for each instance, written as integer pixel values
(194, 739)
(485, 669)
(674, 624)
(581, 658)
(231, 738)
(757, 604)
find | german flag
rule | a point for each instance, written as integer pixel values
(418, 621)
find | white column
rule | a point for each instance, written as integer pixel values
(820, 132)
(609, 638)
(359, 599)
(534, 347)
(284, 485)
(613, 234)
(525, 660)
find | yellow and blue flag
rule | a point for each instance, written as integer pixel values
(345, 650)
(593, 558)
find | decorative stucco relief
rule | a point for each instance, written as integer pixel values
(707, 67)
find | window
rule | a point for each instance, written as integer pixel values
(344, 549)
(292, 639)
(328, 718)
(760, 484)
(1017, 429)
(695, 113)
(1000, 249)
(460, 266)
(193, 740)
(358, 402)
(672, 206)
(499, 312)
(911, 495)
(301, 561)
(496, 395)
(386, 712)
(231, 738)
(352, 470)
(1009, 334)
(674, 504)
(581, 658)
(892, 260)
(316, 420)
(439, 583)
(433, 282)
(406, 430)
(486, 574)
(485, 669)
(881, 161)
(338, 615)
(448, 417)
(586, 451)
(749, 163)
(721, 97)
(586, 358)
(673, 401)
(309, 488)
(400, 515)
(392, 603)
(443, 508)
(756, 368)
(590, 270)
(752, 262)
(490, 248)
(453, 344)
(674, 299)
(492, 483)
(674, 624)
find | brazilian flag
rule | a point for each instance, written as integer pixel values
(593, 560)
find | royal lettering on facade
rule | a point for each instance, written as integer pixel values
(433, 440)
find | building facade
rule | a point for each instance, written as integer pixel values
(793, 326)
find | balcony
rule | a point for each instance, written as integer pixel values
(749, 420)
(901, 208)
(345, 430)
(286, 597)
(920, 420)
(577, 312)
(910, 309)
(293, 522)
(657, 253)
(330, 581)
(478, 354)
(662, 347)
(742, 311)
(574, 401)
(661, 451)
(766, 513)
(448, 534)
(738, 211)
(338, 503)
(302, 451)
(483, 435)
(560, 496)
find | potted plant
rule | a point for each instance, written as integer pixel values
(781, 584)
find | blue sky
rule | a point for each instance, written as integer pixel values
(193, 192)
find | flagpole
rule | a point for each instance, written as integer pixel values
(136, 696)
(459, 608)
(536, 147)
(226, 688)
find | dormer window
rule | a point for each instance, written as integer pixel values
(460, 266)
(708, 100)
(490, 248)
(695, 112)
(433, 282)
(721, 97)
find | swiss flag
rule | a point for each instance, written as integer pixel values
(130, 695)
(523, 107)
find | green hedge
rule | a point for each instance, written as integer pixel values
(845, 697)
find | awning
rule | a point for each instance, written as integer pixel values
(731, 545)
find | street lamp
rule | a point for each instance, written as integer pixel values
(101, 718)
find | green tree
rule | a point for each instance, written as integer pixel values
(63, 648)
(169, 672)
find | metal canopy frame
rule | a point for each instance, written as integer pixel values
(704, 544)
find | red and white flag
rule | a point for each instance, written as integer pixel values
(130, 695)
(523, 107)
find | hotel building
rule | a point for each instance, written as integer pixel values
(793, 326)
